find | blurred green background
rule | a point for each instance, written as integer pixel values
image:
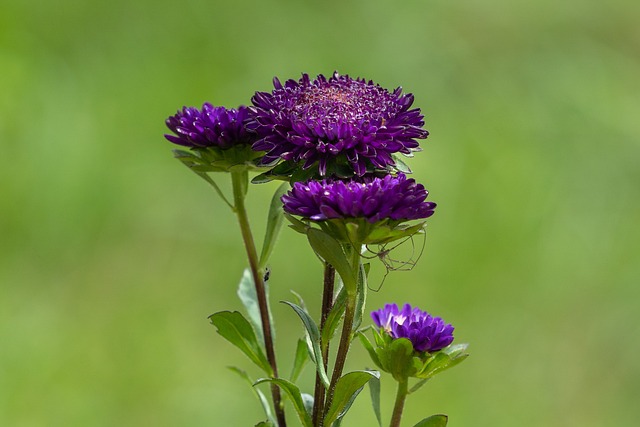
(113, 254)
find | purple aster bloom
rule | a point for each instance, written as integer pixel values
(426, 333)
(375, 199)
(210, 127)
(325, 119)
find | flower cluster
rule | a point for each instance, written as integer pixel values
(323, 121)
(394, 197)
(210, 127)
(426, 333)
(337, 127)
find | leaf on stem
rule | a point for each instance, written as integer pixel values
(274, 224)
(438, 420)
(330, 250)
(238, 331)
(296, 398)
(249, 298)
(374, 391)
(333, 318)
(361, 298)
(313, 335)
(367, 345)
(259, 394)
(417, 386)
(446, 358)
(301, 358)
(347, 389)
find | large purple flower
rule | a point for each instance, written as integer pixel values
(337, 119)
(210, 127)
(426, 333)
(375, 199)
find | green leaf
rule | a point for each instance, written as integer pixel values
(238, 331)
(397, 359)
(301, 358)
(333, 318)
(347, 389)
(445, 359)
(265, 424)
(296, 224)
(401, 166)
(330, 250)
(249, 298)
(274, 224)
(259, 394)
(372, 353)
(374, 391)
(361, 298)
(439, 420)
(417, 386)
(313, 335)
(294, 394)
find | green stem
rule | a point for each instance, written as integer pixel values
(347, 331)
(327, 303)
(240, 182)
(401, 396)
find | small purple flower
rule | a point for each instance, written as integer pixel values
(323, 120)
(392, 197)
(426, 333)
(210, 127)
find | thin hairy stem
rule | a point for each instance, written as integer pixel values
(347, 331)
(327, 304)
(240, 179)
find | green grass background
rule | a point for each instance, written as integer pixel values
(113, 254)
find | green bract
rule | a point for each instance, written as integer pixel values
(214, 159)
(397, 357)
(358, 230)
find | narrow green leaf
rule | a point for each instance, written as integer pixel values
(372, 353)
(296, 398)
(249, 298)
(301, 358)
(445, 359)
(238, 331)
(265, 424)
(439, 420)
(296, 224)
(274, 224)
(401, 165)
(418, 385)
(361, 298)
(347, 389)
(330, 250)
(374, 391)
(314, 337)
(258, 393)
(262, 178)
(333, 318)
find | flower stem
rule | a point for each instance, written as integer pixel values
(401, 396)
(347, 331)
(240, 182)
(327, 303)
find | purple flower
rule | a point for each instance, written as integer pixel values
(392, 197)
(336, 119)
(210, 127)
(426, 333)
